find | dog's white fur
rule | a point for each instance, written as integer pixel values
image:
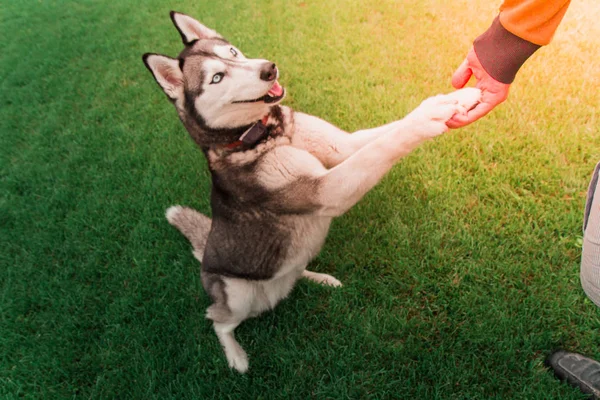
(340, 169)
(347, 166)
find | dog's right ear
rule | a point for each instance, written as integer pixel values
(190, 29)
(167, 74)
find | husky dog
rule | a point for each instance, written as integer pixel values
(279, 177)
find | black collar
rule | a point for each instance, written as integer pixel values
(257, 132)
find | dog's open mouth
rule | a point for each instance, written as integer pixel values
(274, 94)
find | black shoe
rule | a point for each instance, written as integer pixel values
(579, 371)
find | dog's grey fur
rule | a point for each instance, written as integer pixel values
(272, 203)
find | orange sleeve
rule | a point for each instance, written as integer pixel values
(533, 20)
(516, 33)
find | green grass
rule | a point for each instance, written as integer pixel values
(460, 269)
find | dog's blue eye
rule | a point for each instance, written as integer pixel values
(234, 52)
(217, 77)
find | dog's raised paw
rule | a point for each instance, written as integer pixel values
(467, 97)
(429, 119)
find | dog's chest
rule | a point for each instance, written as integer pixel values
(308, 236)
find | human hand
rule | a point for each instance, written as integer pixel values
(431, 117)
(492, 91)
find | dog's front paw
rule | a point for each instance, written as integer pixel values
(467, 97)
(429, 119)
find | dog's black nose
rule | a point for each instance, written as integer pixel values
(268, 72)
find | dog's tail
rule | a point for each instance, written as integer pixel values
(194, 226)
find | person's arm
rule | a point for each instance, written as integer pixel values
(522, 27)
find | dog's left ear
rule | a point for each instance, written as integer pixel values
(190, 29)
(167, 72)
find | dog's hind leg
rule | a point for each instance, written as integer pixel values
(194, 226)
(236, 356)
(234, 301)
(322, 279)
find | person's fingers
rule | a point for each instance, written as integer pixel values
(462, 75)
(457, 121)
(479, 111)
(460, 120)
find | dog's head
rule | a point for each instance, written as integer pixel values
(214, 87)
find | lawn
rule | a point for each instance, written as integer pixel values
(460, 270)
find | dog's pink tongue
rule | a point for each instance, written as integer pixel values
(276, 90)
